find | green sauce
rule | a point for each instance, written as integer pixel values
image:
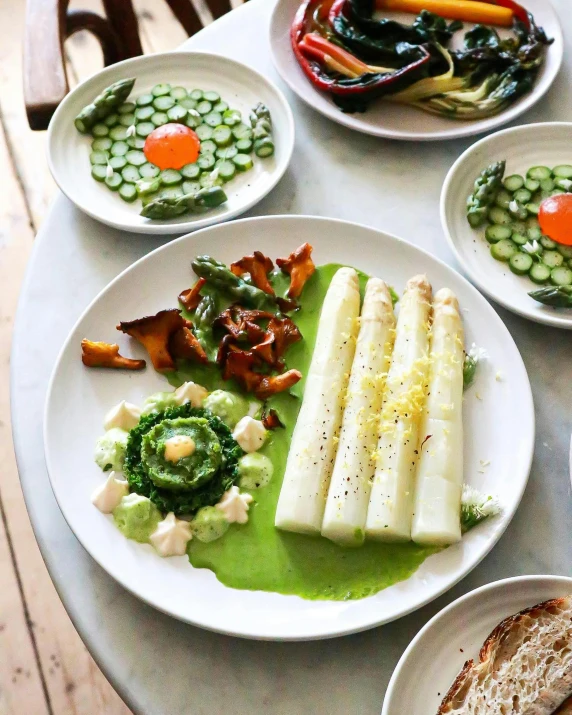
(257, 556)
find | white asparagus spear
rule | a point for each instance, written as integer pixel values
(313, 447)
(348, 496)
(391, 501)
(439, 485)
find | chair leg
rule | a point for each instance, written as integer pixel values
(123, 21)
(186, 14)
(77, 20)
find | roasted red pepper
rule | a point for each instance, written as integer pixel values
(310, 57)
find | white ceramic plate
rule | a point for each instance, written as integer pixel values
(547, 144)
(393, 121)
(435, 656)
(78, 399)
(240, 86)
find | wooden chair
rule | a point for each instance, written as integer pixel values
(49, 23)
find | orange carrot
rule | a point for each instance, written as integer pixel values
(466, 10)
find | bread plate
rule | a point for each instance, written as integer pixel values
(438, 652)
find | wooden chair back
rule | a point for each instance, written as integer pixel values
(50, 22)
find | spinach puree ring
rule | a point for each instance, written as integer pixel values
(182, 502)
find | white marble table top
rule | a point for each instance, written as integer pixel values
(157, 664)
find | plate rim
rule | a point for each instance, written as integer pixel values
(554, 320)
(462, 130)
(156, 228)
(460, 601)
(335, 632)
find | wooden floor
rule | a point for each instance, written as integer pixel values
(44, 667)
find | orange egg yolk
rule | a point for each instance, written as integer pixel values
(555, 218)
(171, 146)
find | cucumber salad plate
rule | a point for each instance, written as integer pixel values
(289, 443)
(170, 142)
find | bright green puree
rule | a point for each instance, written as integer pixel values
(257, 556)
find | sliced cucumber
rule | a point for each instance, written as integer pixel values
(222, 135)
(126, 108)
(519, 238)
(552, 259)
(177, 114)
(539, 173)
(227, 152)
(563, 171)
(532, 185)
(135, 142)
(244, 145)
(232, 117)
(187, 103)
(196, 94)
(519, 227)
(211, 97)
(98, 157)
(102, 144)
(127, 120)
(148, 171)
(206, 180)
(226, 170)
(523, 196)
(206, 162)
(566, 251)
(555, 192)
(159, 90)
(503, 199)
(520, 263)
(561, 276)
(100, 130)
(163, 103)
(130, 174)
(128, 192)
(513, 183)
(564, 184)
(220, 107)
(532, 222)
(548, 243)
(496, 214)
(170, 177)
(145, 187)
(204, 107)
(118, 133)
(517, 210)
(265, 147)
(119, 148)
(117, 162)
(143, 129)
(533, 209)
(213, 119)
(192, 121)
(178, 93)
(191, 171)
(208, 147)
(204, 132)
(534, 233)
(504, 250)
(191, 187)
(99, 172)
(539, 273)
(144, 113)
(171, 192)
(243, 162)
(242, 131)
(144, 100)
(111, 120)
(114, 181)
(546, 184)
(159, 118)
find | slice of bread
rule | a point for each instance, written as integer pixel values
(524, 667)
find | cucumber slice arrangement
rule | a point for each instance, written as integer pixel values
(506, 211)
(118, 129)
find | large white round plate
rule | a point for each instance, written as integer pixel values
(240, 86)
(393, 121)
(497, 413)
(547, 144)
(435, 656)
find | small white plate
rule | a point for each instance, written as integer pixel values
(384, 119)
(547, 144)
(78, 399)
(435, 656)
(240, 86)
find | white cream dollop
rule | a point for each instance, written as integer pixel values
(178, 447)
(124, 416)
(190, 392)
(234, 505)
(171, 536)
(108, 495)
(250, 434)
